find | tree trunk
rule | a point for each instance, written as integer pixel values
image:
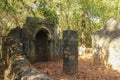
(83, 30)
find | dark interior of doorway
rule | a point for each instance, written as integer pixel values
(41, 46)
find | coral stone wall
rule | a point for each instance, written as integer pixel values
(106, 44)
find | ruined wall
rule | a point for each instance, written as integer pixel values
(40, 33)
(40, 40)
(22, 45)
(17, 65)
(106, 44)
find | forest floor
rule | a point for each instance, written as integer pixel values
(86, 70)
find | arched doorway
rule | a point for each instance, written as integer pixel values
(41, 45)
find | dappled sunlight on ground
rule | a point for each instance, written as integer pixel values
(86, 70)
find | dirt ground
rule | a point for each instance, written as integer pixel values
(86, 70)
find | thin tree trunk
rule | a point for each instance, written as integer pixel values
(83, 30)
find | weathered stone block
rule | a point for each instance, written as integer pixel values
(70, 52)
(106, 44)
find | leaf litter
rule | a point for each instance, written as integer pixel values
(86, 70)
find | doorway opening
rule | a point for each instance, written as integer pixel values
(41, 45)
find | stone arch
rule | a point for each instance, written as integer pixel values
(45, 29)
(42, 44)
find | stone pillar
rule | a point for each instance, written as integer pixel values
(70, 52)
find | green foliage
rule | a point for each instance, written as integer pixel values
(67, 14)
(48, 12)
(15, 12)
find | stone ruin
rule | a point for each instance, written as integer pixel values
(106, 44)
(40, 40)
(70, 52)
(36, 41)
(17, 66)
